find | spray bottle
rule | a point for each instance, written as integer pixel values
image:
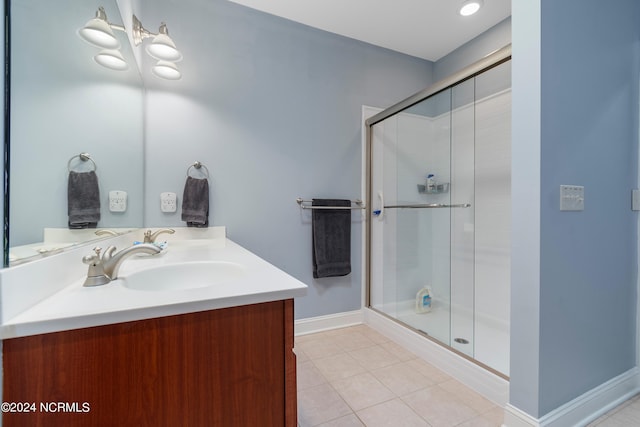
(424, 300)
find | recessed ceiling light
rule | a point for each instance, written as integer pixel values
(470, 7)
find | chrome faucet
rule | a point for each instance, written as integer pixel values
(150, 237)
(103, 267)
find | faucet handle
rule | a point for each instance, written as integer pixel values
(147, 237)
(94, 258)
(95, 274)
(150, 237)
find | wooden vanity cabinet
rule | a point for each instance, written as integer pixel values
(228, 367)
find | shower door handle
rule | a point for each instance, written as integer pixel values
(429, 206)
(380, 212)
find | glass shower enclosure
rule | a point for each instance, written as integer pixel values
(439, 189)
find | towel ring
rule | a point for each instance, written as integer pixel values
(84, 157)
(198, 165)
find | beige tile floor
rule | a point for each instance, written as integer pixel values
(357, 377)
(625, 415)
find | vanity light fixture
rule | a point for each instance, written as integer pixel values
(161, 48)
(166, 70)
(470, 7)
(99, 32)
(111, 58)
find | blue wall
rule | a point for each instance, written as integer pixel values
(589, 137)
(587, 93)
(491, 40)
(273, 108)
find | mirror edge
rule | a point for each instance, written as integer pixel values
(6, 131)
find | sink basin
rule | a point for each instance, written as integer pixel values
(183, 276)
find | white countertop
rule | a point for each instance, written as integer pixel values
(75, 306)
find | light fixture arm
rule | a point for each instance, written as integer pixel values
(140, 33)
(163, 29)
(118, 27)
(101, 14)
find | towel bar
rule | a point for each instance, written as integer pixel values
(429, 206)
(358, 202)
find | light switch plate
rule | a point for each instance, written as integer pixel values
(635, 200)
(571, 198)
(168, 202)
(117, 201)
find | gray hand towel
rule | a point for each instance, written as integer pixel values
(83, 200)
(331, 236)
(195, 202)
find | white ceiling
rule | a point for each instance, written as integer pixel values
(428, 29)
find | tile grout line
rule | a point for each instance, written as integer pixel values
(483, 413)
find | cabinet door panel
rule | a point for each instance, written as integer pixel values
(217, 368)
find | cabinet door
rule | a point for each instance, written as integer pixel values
(226, 367)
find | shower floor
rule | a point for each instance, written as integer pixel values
(434, 323)
(494, 336)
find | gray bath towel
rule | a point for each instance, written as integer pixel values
(195, 202)
(331, 237)
(83, 200)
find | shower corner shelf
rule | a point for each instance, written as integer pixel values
(440, 189)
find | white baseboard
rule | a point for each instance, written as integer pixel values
(486, 383)
(583, 409)
(325, 323)
(514, 417)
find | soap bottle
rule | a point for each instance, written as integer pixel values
(431, 183)
(424, 300)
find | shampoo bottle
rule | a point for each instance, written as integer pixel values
(424, 300)
(431, 183)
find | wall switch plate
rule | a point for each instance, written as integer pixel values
(635, 200)
(571, 198)
(117, 201)
(168, 202)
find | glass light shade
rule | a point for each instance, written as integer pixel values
(167, 70)
(98, 33)
(470, 7)
(164, 49)
(112, 59)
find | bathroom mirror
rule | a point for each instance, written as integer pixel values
(63, 103)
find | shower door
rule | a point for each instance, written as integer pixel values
(448, 232)
(423, 235)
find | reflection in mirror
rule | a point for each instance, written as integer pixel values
(63, 103)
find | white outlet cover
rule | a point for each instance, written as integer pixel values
(168, 202)
(117, 201)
